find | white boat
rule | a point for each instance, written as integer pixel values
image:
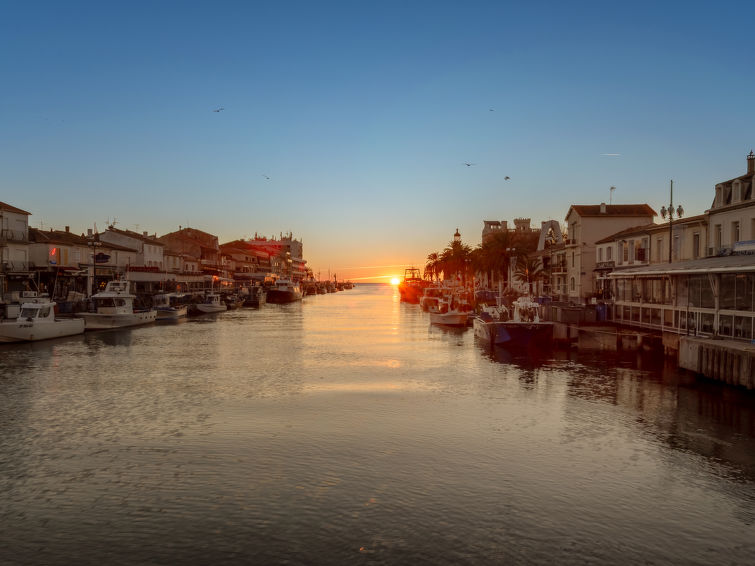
(36, 321)
(167, 307)
(114, 308)
(284, 291)
(448, 312)
(525, 328)
(212, 303)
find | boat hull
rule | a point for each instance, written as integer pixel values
(100, 321)
(23, 331)
(278, 296)
(209, 309)
(171, 313)
(514, 334)
(449, 318)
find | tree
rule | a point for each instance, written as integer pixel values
(455, 259)
(432, 265)
(529, 270)
(495, 253)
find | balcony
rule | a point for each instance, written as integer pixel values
(14, 266)
(8, 235)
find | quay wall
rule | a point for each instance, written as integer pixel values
(730, 361)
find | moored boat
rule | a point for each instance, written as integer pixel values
(114, 308)
(212, 303)
(284, 291)
(37, 321)
(411, 287)
(168, 306)
(524, 329)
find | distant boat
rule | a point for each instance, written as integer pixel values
(449, 310)
(114, 308)
(284, 291)
(36, 321)
(253, 296)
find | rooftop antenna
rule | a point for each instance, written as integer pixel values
(610, 197)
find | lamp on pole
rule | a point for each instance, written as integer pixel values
(670, 211)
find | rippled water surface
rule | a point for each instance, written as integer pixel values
(347, 430)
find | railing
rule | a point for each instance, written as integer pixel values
(8, 235)
(14, 266)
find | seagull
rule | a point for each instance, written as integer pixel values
(468, 164)
(491, 109)
(266, 177)
(506, 178)
(219, 109)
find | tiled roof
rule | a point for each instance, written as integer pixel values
(9, 208)
(613, 210)
(136, 236)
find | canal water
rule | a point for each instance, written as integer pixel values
(348, 430)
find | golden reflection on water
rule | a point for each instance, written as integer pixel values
(365, 387)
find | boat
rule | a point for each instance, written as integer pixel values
(37, 321)
(524, 328)
(114, 308)
(431, 296)
(411, 287)
(253, 296)
(449, 311)
(168, 306)
(211, 303)
(232, 301)
(284, 291)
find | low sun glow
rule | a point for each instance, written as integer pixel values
(394, 281)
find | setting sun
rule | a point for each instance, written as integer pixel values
(394, 281)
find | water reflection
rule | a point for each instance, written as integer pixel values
(347, 429)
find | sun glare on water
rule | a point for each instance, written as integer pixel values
(394, 281)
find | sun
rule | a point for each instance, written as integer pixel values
(395, 281)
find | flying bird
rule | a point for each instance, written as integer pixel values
(266, 177)
(506, 178)
(468, 164)
(219, 109)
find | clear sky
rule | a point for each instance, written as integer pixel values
(349, 123)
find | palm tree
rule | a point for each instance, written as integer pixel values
(529, 270)
(455, 259)
(495, 253)
(431, 267)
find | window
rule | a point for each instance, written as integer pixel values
(600, 255)
(573, 284)
(609, 253)
(735, 232)
(696, 245)
(658, 249)
(572, 259)
(717, 236)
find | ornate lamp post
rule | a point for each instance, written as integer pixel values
(670, 211)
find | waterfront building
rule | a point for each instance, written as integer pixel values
(147, 272)
(586, 225)
(201, 247)
(699, 296)
(14, 249)
(286, 255)
(247, 262)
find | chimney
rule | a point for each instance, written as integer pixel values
(751, 163)
(68, 228)
(505, 224)
(602, 208)
(145, 233)
(89, 232)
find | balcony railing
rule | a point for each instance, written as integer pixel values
(14, 266)
(8, 235)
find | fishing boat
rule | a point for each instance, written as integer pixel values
(523, 328)
(37, 321)
(211, 303)
(168, 306)
(253, 296)
(412, 285)
(284, 291)
(449, 311)
(114, 308)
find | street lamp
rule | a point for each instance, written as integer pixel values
(670, 211)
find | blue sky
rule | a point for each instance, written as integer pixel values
(362, 114)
